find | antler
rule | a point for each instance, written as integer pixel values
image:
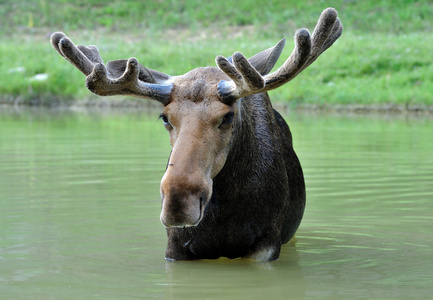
(120, 77)
(246, 80)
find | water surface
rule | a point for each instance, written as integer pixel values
(79, 212)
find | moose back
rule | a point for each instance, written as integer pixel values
(233, 185)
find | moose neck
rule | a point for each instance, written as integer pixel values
(253, 147)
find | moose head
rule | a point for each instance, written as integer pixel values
(233, 185)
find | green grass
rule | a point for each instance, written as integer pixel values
(384, 55)
(399, 16)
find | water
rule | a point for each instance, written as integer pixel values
(79, 212)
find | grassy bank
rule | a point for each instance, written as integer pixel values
(383, 57)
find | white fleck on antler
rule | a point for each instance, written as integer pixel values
(245, 80)
(120, 77)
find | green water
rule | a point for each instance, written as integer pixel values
(79, 212)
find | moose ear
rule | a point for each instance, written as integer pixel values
(118, 67)
(264, 61)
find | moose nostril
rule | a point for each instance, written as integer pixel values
(202, 199)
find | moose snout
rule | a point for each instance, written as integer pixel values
(183, 201)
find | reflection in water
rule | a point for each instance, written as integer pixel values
(79, 212)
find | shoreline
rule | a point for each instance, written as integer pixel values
(129, 103)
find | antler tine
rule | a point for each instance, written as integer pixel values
(326, 32)
(69, 51)
(247, 81)
(293, 64)
(103, 82)
(244, 77)
(337, 30)
(55, 40)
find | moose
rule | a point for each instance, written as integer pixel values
(233, 185)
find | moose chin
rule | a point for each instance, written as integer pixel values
(233, 185)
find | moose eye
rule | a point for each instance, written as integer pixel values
(164, 119)
(228, 118)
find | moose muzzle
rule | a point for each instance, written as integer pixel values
(184, 198)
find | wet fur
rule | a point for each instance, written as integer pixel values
(258, 197)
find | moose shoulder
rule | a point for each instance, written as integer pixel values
(233, 186)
